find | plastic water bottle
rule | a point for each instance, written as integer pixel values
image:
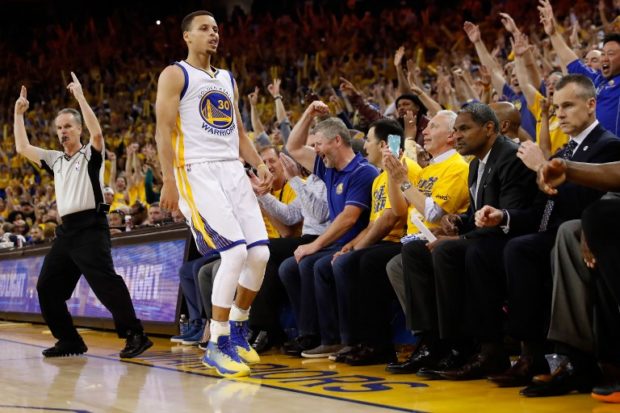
(128, 223)
(183, 325)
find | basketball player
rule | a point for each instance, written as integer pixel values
(199, 139)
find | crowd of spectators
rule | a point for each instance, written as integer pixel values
(369, 52)
(412, 64)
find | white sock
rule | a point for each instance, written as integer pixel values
(238, 314)
(218, 328)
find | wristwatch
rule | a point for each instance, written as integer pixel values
(405, 185)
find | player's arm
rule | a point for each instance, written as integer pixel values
(169, 87)
(247, 150)
(90, 119)
(22, 144)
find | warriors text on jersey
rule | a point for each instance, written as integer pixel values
(206, 128)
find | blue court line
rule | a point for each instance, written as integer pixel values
(400, 409)
(51, 409)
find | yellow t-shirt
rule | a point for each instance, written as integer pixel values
(5, 178)
(137, 193)
(381, 200)
(446, 183)
(556, 136)
(285, 195)
(119, 201)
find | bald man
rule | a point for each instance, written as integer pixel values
(509, 121)
(593, 59)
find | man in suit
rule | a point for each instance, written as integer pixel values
(526, 258)
(434, 273)
(598, 284)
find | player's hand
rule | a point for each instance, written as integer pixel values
(169, 196)
(22, 104)
(258, 188)
(265, 178)
(75, 87)
(551, 174)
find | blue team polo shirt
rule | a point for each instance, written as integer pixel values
(350, 186)
(607, 95)
(528, 122)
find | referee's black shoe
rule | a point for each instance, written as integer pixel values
(137, 343)
(64, 348)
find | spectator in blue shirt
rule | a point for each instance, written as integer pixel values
(606, 80)
(348, 178)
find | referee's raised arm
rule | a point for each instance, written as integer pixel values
(92, 124)
(22, 144)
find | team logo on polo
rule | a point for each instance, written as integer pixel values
(216, 109)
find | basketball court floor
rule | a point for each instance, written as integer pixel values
(171, 378)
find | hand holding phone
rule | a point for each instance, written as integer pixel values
(394, 144)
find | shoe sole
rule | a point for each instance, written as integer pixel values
(227, 374)
(142, 349)
(70, 354)
(607, 398)
(316, 356)
(189, 343)
(176, 340)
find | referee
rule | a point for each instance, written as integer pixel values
(82, 244)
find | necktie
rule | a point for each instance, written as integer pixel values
(566, 154)
(481, 166)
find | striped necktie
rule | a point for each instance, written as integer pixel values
(566, 154)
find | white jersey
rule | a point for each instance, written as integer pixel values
(206, 125)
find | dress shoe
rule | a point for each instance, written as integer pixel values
(423, 356)
(452, 361)
(521, 373)
(300, 344)
(65, 348)
(135, 344)
(340, 356)
(563, 380)
(479, 366)
(369, 355)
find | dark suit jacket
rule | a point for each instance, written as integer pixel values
(600, 146)
(506, 184)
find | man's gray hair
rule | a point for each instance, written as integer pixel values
(332, 127)
(450, 115)
(76, 114)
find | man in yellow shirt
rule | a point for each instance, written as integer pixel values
(346, 277)
(282, 190)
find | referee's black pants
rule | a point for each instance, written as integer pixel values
(83, 246)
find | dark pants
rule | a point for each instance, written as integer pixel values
(190, 286)
(527, 261)
(298, 280)
(354, 296)
(601, 228)
(265, 314)
(83, 246)
(436, 285)
(364, 277)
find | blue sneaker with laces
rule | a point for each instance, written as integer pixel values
(196, 326)
(222, 357)
(239, 332)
